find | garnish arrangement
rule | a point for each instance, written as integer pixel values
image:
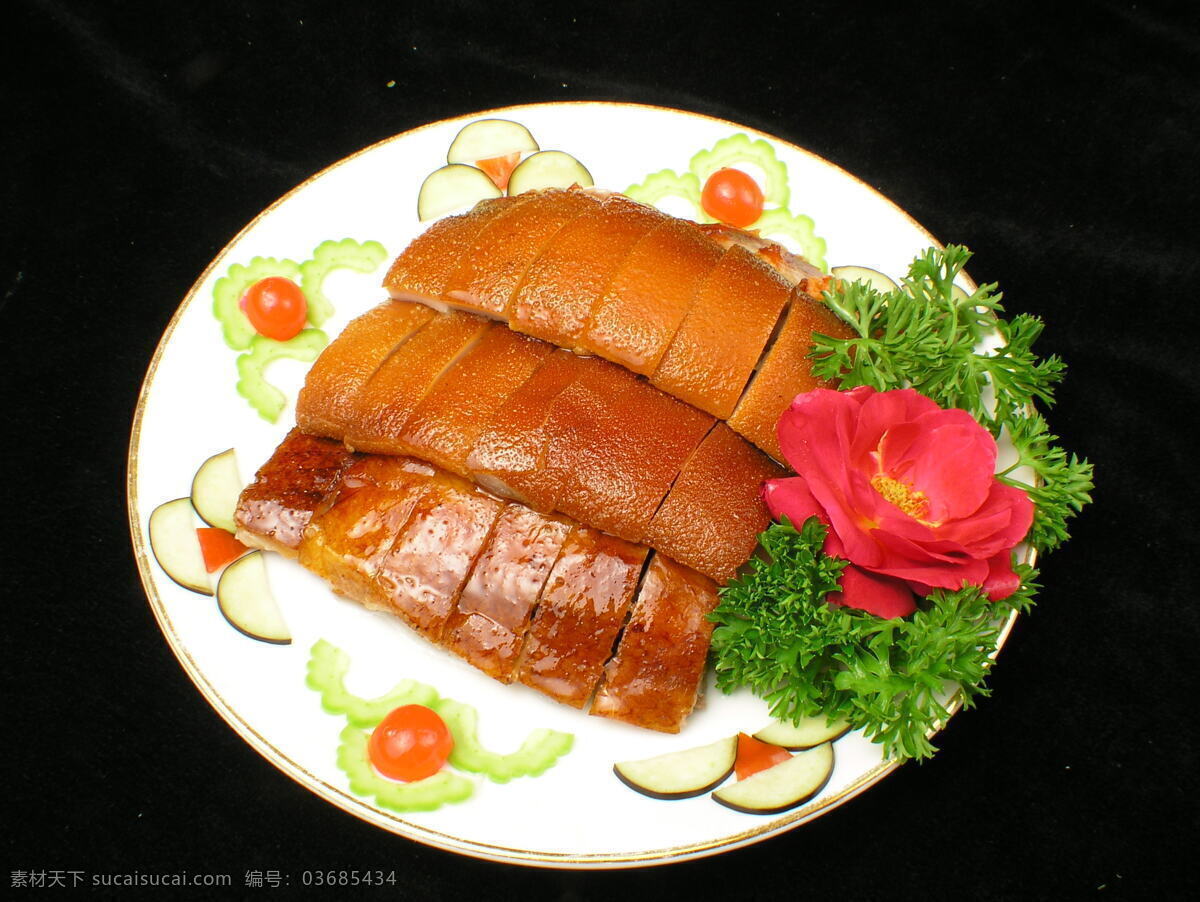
(889, 574)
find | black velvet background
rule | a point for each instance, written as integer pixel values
(1059, 141)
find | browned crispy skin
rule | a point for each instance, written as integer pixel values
(635, 320)
(488, 276)
(445, 425)
(432, 554)
(288, 489)
(555, 300)
(346, 543)
(424, 269)
(327, 402)
(581, 612)
(713, 353)
(488, 626)
(785, 371)
(389, 397)
(654, 678)
(709, 520)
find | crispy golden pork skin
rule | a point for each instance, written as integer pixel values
(654, 678)
(692, 308)
(513, 592)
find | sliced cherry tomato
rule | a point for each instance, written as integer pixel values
(498, 169)
(754, 755)
(411, 743)
(218, 547)
(276, 307)
(732, 197)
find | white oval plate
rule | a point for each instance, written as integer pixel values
(577, 814)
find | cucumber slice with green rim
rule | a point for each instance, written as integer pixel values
(215, 490)
(451, 188)
(548, 169)
(327, 669)
(805, 734)
(783, 786)
(486, 139)
(667, 183)
(443, 788)
(331, 255)
(175, 546)
(800, 229)
(228, 291)
(252, 382)
(873, 277)
(540, 750)
(740, 149)
(680, 775)
(245, 599)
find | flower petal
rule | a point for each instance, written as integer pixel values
(1002, 581)
(878, 595)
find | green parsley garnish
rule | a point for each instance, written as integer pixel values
(896, 679)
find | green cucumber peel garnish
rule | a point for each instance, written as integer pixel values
(539, 752)
(252, 383)
(799, 228)
(327, 669)
(328, 256)
(740, 149)
(227, 295)
(444, 787)
(667, 183)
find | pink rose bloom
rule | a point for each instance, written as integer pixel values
(909, 494)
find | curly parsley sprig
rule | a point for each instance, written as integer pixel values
(953, 347)
(895, 679)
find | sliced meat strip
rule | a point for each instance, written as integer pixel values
(422, 272)
(791, 266)
(555, 300)
(581, 612)
(429, 560)
(709, 520)
(614, 446)
(445, 425)
(785, 371)
(488, 626)
(326, 404)
(346, 543)
(712, 355)
(654, 678)
(509, 456)
(647, 299)
(288, 489)
(389, 397)
(487, 277)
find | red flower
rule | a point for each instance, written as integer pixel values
(908, 491)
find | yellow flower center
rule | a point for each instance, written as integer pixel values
(901, 494)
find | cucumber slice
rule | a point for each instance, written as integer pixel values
(331, 255)
(873, 277)
(540, 750)
(327, 669)
(245, 599)
(453, 187)
(253, 385)
(488, 138)
(174, 544)
(666, 183)
(783, 786)
(548, 169)
(740, 149)
(228, 291)
(215, 490)
(799, 229)
(806, 733)
(444, 787)
(680, 775)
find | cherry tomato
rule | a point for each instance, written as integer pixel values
(732, 197)
(411, 743)
(275, 307)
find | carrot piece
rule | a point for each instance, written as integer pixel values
(498, 169)
(218, 547)
(754, 755)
